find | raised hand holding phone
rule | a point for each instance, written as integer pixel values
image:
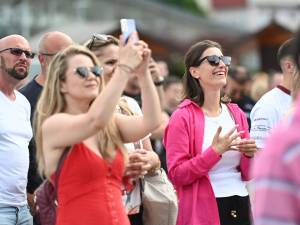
(128, 28)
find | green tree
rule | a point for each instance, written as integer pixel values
(189, 5)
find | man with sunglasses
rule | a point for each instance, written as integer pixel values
(15, 131)
(50, 43)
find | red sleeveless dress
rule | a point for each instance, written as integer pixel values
(89, 189)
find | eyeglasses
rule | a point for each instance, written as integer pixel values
(102, 39)
(47, 54)
(215, 60)
(84, 71)
(19, 52)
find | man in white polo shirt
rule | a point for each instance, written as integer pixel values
(15, 131)
(274, 104)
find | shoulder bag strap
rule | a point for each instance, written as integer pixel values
(59, 167)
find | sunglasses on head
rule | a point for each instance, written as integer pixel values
(19, 52)
(102, 39)
(215, 60)
(84, 72)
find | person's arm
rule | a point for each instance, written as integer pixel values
(159, 132)
(63, 129)
(134, 128)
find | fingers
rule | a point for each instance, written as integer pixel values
(246, 146)
(133, 38)
(122, 41)
(219, 130)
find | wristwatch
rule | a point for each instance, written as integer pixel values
(159, 81)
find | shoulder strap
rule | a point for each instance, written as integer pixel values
(59, 167)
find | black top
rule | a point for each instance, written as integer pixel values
(32, 92)
(246, 104)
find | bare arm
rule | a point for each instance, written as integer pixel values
(63, 129)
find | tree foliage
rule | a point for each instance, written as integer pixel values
(189, 5)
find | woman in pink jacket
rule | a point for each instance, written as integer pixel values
(208, 145)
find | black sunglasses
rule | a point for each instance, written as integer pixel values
(215, 60)
(85, 71)
(47, 54)
(19, 52)
(102, 39)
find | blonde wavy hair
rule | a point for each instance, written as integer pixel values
(52, 101)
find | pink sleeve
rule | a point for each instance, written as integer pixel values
(245, 161)
(184, 169)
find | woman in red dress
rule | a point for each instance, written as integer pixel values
(74, 110)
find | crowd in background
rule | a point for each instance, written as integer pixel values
(124, 116)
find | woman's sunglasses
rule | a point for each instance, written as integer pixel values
(84, 72)
(215, 60)
(19, 52)
(101, 39)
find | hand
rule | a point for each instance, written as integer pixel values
(32, 207)
(143, 68)
(226, 142)
(149, 157)
(138, 164)
(133, 54)
(247, 147)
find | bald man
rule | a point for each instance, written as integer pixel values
(15, 131)
(50, 44)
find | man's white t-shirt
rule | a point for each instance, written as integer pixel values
(266, 114)
(15, 134)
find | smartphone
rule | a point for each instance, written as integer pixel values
(128, 27)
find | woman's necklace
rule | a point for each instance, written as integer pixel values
(209, 114)
(215, 119)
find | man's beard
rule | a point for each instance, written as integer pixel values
(15, 74)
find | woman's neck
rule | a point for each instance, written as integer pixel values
(211, 105)
(76, 107)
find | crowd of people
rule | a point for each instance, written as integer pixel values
(119, 115)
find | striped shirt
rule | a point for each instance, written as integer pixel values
(277, 175)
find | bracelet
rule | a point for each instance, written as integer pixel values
(126, 68)
(159, 83)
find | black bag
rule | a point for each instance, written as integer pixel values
(45, 198)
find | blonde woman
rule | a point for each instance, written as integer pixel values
(71, 112)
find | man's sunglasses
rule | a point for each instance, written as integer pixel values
(47, 54)
(19, 52)
(101, 39)
(215, 60)
(84, 72)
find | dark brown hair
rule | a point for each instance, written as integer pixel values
(296, 47)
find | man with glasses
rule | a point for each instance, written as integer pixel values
(50, 43)
(15, 131)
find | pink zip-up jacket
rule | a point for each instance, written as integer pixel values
(188, 166)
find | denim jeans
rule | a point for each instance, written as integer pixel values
(15, 216)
